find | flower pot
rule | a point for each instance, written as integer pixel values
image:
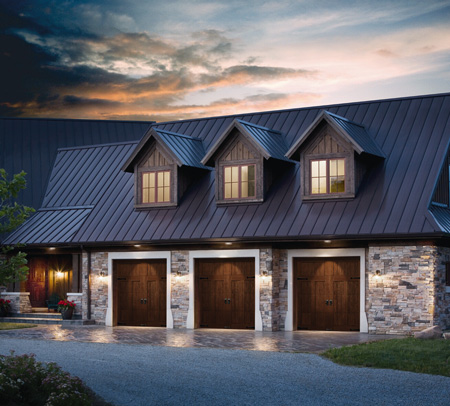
(3, 312)
(67, 314)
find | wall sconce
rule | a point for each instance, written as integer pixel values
(178, 275)
(59, 274)
(102, 274)
(377, 275)
(264, 275)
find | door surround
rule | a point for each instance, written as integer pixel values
(324, 253)
(223, 254)
(112, 256)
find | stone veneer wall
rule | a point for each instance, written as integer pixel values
(20, 301)
(98, 285)
(280, 288)
(442, 296)
(402, 300)
(266, 294)
(78, 300)
(179, 288)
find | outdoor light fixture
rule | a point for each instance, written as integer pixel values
(326, 241)
(377, 274)
(178, 275)
(137, 245)
(59, 274)
(52, 248)
(264, 274)
(102, 274)
(228, 243)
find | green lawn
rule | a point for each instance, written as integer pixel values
(13, 326)
(406, 354)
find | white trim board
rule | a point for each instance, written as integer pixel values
(223, 254)
(318, 253)
(138, 255)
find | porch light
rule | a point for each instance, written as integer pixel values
(102, 274)
(228, 243)
(59, 274)
(327, 241)
(377, 275)
(52, 248)
(137, 245)
(178, 275)
(264, 275)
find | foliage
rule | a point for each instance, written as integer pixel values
(12, 267)
(407, 354)
(25, 381)
(65, 304)
(5, 304)
(15, 326)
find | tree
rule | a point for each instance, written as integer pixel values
(12, 266)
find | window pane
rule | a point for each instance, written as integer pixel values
(244, 189)
(160, 196)
(251, 172)
(166, 178)
(251, 189)
(145, 196)
(227, 190)
(341, 167)
(340, 185)
(160, 179)
(244, 173)
(323, 185)
(235, 173)
(322, 168)
(167, 194)
(145, 180)
(314, 169)
(333, 167)
(333, 185)
(152, 179)
(227, 175)
(234, 190)
(314, 186)
(151, 195)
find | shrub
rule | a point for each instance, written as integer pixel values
(25, 381)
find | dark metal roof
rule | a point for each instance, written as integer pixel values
(269, 142)
(185, 150)
(355, 133)
(30, 144)
(442, 216)
(392, 201)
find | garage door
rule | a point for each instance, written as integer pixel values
(326, 294)
(225, 293)
(140, 293)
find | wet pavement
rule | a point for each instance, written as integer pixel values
(279, 341)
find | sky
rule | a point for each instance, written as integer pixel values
(180, 59)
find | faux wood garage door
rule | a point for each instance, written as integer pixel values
(225, 293)
(140, 293)
(326, 293)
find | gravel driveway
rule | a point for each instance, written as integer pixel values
(145, 375)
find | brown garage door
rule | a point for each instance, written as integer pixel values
(225, 293)
(140, 293)
(326, 293)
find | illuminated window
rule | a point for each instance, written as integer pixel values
(327, 176)
(156, 187)
(239, 182)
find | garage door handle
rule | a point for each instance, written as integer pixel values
(326, 302)
(227, 301)
(142, 301)
(145, 301)
(331, 302)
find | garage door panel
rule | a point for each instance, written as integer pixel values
(326, 293)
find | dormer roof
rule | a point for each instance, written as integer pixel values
(270, 143)
(353, 132)
(185, 150)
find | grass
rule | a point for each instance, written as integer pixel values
(406, 354)
(13, 326)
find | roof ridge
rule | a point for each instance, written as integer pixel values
(109, 144)
(344, 118)
(259, 126)
(97, 120)
(179, 135)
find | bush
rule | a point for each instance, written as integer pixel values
(25, 381)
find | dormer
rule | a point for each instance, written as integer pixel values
(247, 159)
(334, 155)
(164, 164)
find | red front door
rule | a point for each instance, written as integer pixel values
(36, 281)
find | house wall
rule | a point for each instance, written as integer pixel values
(410, 294)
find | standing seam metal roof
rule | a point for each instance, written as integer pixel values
(393, 199)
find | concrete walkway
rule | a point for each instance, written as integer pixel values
(145, 375)
(297, 341)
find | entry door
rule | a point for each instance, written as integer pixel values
(326, 293)
(225, 293)
(36, 281)
(140, 293)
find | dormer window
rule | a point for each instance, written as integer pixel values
(239, 182)
(156, 187)
(334, 155)
(327, 176)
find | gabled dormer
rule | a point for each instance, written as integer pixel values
(334, 154)
(247, 159)
(164, 164)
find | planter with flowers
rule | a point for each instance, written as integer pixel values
(66, 307)
(5, 307)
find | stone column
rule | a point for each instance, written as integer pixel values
(179, 298)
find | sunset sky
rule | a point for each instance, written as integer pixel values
(170, 60)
